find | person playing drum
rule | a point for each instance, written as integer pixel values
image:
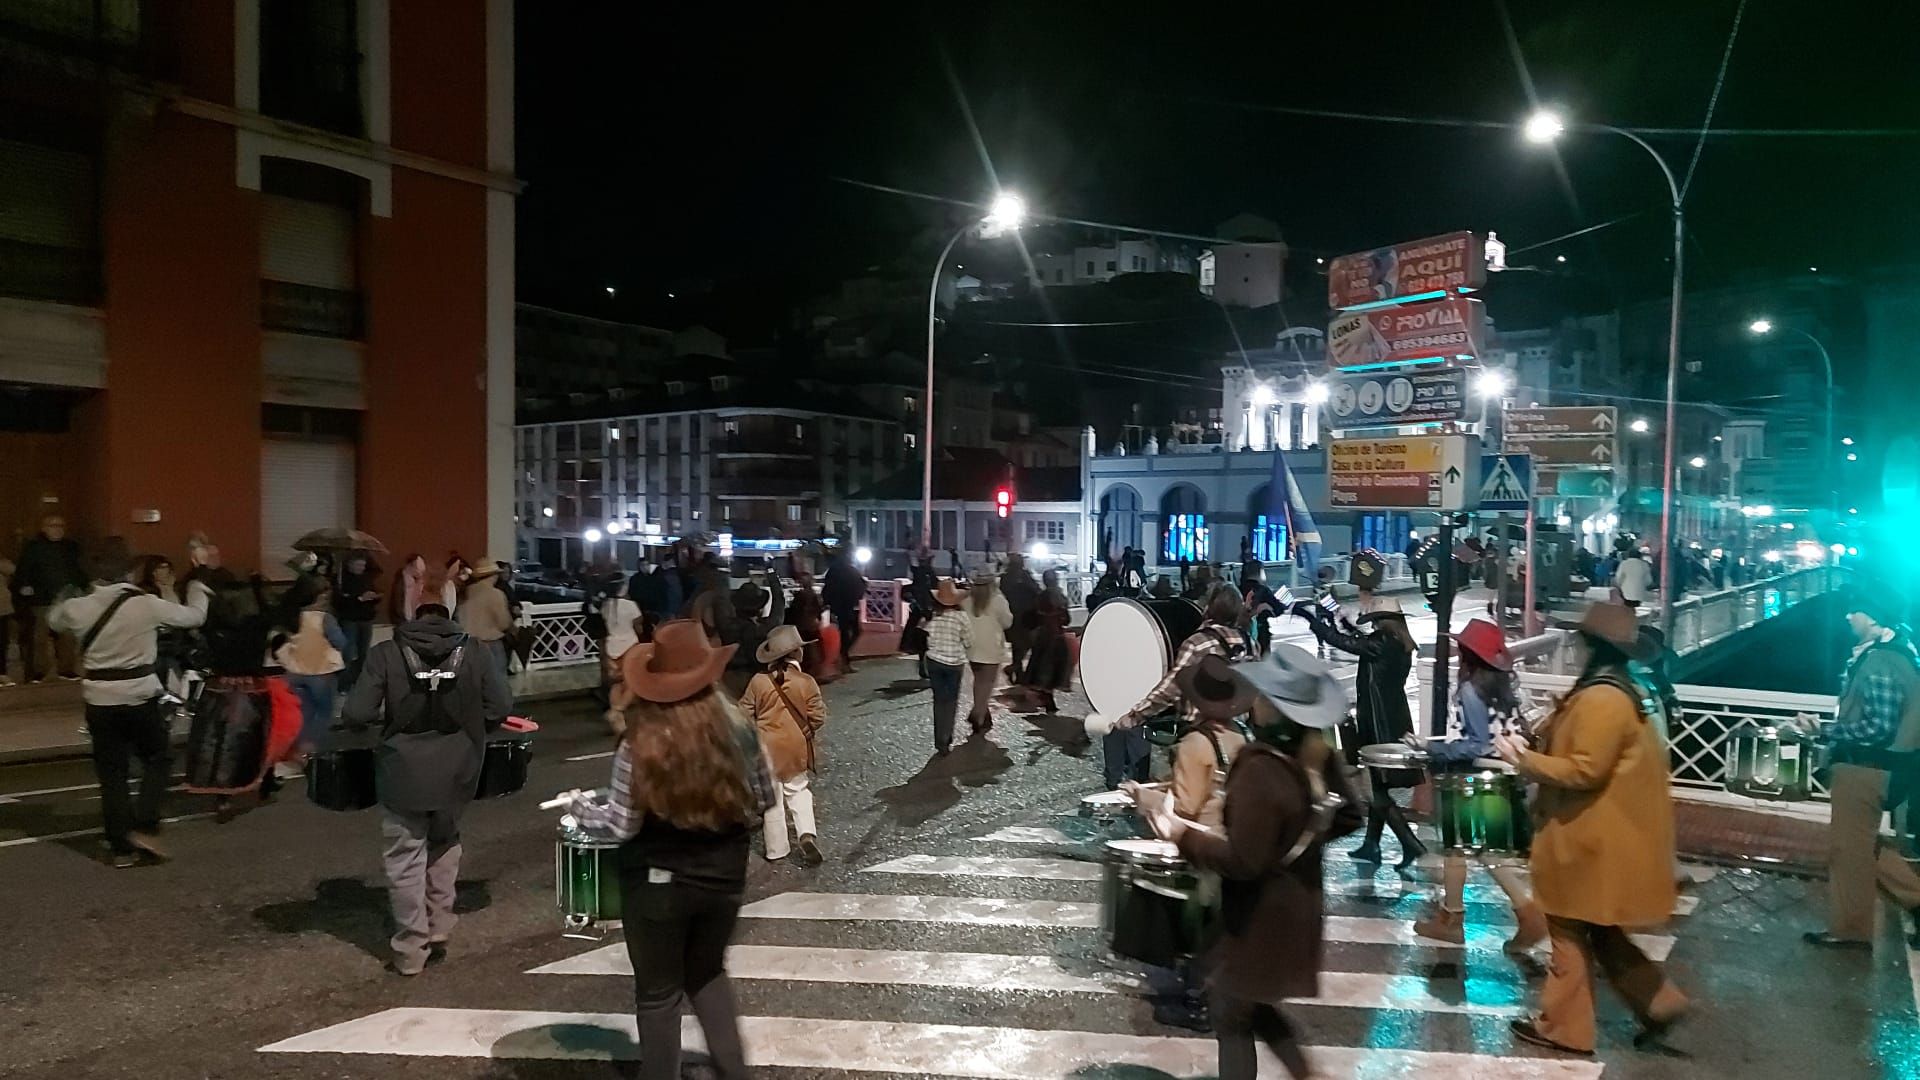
(1602, 855)
(1125, 747)
(1285, 798)
(1485, 704)
(1386, 653)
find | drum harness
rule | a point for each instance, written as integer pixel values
(441, 720)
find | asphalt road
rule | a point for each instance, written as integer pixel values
(948, 934)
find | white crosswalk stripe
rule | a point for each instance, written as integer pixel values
(909, 937)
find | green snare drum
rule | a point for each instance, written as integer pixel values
(586, 881)
(1483, 811)
(1153, 906)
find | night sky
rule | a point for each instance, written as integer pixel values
(693, 148)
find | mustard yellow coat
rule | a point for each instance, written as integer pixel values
(1603, 818)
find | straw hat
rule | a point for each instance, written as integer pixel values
(783, 641)
(946, 594)
(1617, 625)
(677, 664)
(1484, 640)
(1209, 686)
(1382, 607)
(1301, 687)
(487, 568)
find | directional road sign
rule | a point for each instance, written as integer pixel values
(1586, 453)
(1561, 423)
(1506, 481)
(1421, 472)
(1389, 398)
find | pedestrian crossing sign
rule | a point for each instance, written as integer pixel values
(1505, 481)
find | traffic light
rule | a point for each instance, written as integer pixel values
(1003, 500)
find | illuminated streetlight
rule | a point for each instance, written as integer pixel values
(1263, 394)
(609, 290)
(1560, 258)
(1491, 383)
(546, 511)
(1697, 462)
(1544, 127)
(1851, 456)
(591, 536)
(1317, 393)
(1640, 426)
(1009, 212)
(613, 528)
(1761, 327)
(863, 556)
(1039, 550)
(1848, 441)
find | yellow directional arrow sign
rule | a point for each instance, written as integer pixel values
(1424, 472)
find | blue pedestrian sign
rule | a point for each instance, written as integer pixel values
(1506, 481)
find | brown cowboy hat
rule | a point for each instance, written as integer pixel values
(1209, 686)
(1617, 625)
(785, 640)
(677, 664)
(947, 594)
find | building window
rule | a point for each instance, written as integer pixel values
(1052, 532)
(799, 431)
(1059, 277)
(1186, 538)
(1269, 539)
(1089, 268)
(310, 63)
(726, 511)
(794, 510)
(730, 427)
(1112, 265)
(718, 382)
(907, 438)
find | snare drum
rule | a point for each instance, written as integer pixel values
(1151, 905)
(586, 881)
(1483, 812)
(1107, 806)
(503, 769)
(342, 779)
(1771, 763)
(1395, 764)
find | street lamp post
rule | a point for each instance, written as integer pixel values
(1763, 327)
(1007, 212)
(1545, 127)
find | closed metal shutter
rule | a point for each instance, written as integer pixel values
(306, 243)
(303, 486)
(46, 196)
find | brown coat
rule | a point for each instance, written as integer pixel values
(782, 733)
(1266, 944)
(1603, 820)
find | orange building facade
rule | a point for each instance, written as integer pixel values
(256, 272)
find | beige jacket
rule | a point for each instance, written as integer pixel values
(786, 736)
(308, 652)
(485, 616)
(1199, 784)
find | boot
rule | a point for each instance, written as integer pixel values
(1411, 849)
(1369, 849)
(1532, 930)
(1443, 925)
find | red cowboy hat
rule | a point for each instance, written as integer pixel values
(1484, 640)
(677, 664)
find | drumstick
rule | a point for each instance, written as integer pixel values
(557, 801)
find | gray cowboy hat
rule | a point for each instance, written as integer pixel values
(782, 641)
(1299, 685)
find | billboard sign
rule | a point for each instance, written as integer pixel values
(1388, 398)
(1422, 472)
(1450, 329)
(1437, 263)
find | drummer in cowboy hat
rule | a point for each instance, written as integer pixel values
(1386, 651)
(1208, 743)
(786, 705)
(1285, 798)
(486, 614)
(1485, 704)
(1602, 855)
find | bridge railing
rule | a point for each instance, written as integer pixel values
(1701, 621)
(559, 635)
(1700, 737)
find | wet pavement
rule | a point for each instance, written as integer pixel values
(952, 931)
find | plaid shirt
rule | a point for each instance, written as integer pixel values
(950, 637)
(615, 818)
(1881, 701)
(1222, 641)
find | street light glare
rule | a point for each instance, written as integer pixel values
(1544, 127)
(1698, 462)
(1761, 326)
(1317, 393)
(1009, 211)
(591, 536)
(1640, 425)
(1491, 383)
(863, 556)
(1263, 395)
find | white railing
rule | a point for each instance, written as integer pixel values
(559, 635)
(1708, 717)
(1700, 621)
(885, 606)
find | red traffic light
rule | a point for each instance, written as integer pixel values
(1003, 501)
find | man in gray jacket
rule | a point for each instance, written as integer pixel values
(117, 624)
(434, 694)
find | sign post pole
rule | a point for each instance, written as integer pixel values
(1443, 636)
(1526, 602)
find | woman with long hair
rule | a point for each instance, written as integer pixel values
(991, 618)
(409, 584)
(1285, 797)
(312, 656)
(1486, 704)
(690, 784)
(1386, 651)
(1050, 667)
(1602, 854)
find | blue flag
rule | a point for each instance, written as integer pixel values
(1285, 503)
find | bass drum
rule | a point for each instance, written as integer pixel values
(1128, 646)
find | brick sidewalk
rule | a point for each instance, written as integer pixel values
(1718, 833)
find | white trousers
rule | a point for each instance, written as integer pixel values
(790, 797)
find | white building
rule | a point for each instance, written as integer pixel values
(1248, 271)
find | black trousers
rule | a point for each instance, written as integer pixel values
(6, 625)
(1237, 1022)
(848, 620)
(120, 734)
(1126, 755)
(677, 939)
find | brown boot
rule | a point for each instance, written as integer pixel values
(1532, 930)
(1443, 925)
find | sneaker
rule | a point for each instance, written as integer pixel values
(125, 860)
(1532, 930)
(810, 851)
(287, 770)
(6, 682)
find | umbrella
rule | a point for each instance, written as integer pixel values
(337, 539)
